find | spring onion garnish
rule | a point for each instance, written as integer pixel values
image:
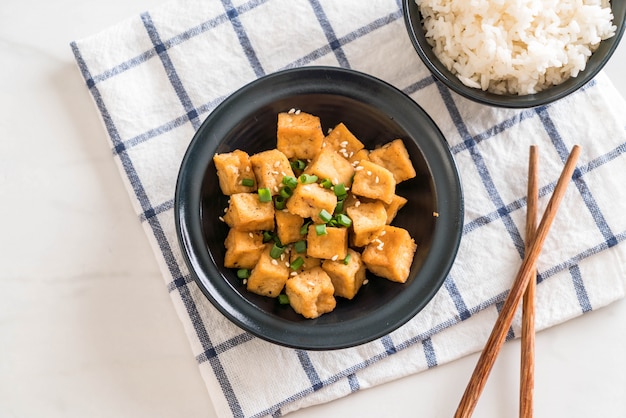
(297, 165)
(243, 273)
(347, 259)
(297, 263)
(247, 182)
(325, 216)
(265, 195)
(283, 299)
(308, 179)
(320, 229)
(279, 202)
(344, 220)
(290, 181)
(276, 251)
(340, 191)
(300, 246)
(326, 183)
(304, 229)
(286, 192)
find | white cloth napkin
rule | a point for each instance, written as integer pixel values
(155, 77)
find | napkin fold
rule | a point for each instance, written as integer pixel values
(156, 76)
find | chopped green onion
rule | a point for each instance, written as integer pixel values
(297, 263)
(265, 195)
(325, 216)
(290, 181)
(339, 207)
(340, 191)
(286, 192)
(279, 202)
(344, 220)
(283, 299)
(320, 229)
(300, 246)
(347, 259)
(276, 251)
(304, 229)
(247, 182)
(267, 236)
(243, 273)
(307, 179)
(297, 165)
(326, 183)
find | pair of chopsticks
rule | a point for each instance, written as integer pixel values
(522, 286)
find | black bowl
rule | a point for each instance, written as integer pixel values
(413, 21)
(376, 113)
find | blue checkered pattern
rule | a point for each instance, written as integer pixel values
(154, 78)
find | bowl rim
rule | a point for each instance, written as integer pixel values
(202, 267)
(554, 93)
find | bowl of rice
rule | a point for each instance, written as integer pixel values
(515, 54)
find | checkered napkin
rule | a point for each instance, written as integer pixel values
(155, 77)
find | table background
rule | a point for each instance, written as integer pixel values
(87, 328)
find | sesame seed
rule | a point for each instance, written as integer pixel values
(287, 264)
(351, 154)
(282, 257)
(436, 214)
(380, 247)
(377, 180)
(298, 112)
(245, 281)
(276, 163)
(383, 232)
(220, 218)
(343, 144)
(292, 111)
(225, 210)
(357, 203)
(274, 262)
(293, 273)
(335, 180)
(365, 282)
(359, 168)
(251, 234)
(335, 257)
(247, 169)
(276, 188)
(369, 173)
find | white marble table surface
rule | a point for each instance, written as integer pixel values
(87, 328)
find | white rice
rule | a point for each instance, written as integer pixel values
(515, 46)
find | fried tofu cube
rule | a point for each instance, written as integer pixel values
(288, 226)
(299, 135)
(395, 158)
(232, 169)
(347, 277)
(362, 155)
(392, 208)
(331, 245)
(308, 200)
(368, 221)
(269, 168)
(341, 140)
(307, 261)
(374, 181)
(269, 276)
(329, 164)
(391, 254)
(243, 249)
(246, 212)
(311, 292)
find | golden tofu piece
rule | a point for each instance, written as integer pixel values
(269, 276)
(341, 140)
(299, 135)
(392, 208)
(232, 169)
(391, 254)
(311, 292)
(288, 226)
(329, 164)
(269, 168)
(247, 213)
(332, 245)
(362, 155)
(243, 249)
(347, 278)
(374, 181)
(395, 158)
(308, 200)
(368, 221)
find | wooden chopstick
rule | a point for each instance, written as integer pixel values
(498, 334)
(527, 363)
